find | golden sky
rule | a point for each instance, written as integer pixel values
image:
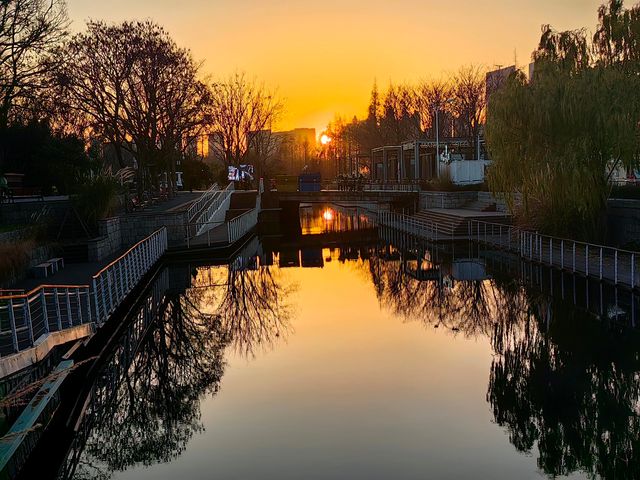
(323, 56)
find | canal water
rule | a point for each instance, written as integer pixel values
(313, 359)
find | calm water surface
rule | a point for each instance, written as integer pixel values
(365, 367)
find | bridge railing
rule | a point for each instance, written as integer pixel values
(200, 203)
(391, 187)
(24, 318)
(592, 260)
(112, 284)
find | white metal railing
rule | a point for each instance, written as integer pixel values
(112, 284)
(241, 225)
(592, 260)
(24, 318)
(391, 187)
(219, 204)
(419, 227)
(201, 202)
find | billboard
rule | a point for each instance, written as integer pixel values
(240, 173)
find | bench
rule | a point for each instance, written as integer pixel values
(58, 263)
(43, 270)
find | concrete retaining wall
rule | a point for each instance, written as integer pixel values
(446, 199)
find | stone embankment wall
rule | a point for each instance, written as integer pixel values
(119, 233)
(108, 242)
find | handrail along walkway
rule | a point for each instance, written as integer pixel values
(26, 318)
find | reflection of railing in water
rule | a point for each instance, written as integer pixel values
(608, 302)
(605, 301)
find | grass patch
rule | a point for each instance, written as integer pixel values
(14, 258)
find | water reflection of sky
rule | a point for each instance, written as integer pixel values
(316, 219)
(363, 371)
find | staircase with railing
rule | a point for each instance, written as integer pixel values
(202, 202)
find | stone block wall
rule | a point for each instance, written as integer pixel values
(135, 227)
(109, 241)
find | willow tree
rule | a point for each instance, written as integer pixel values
(557, 138)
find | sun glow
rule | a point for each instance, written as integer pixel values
(325, 139)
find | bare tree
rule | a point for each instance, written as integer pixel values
(240, 108)
(29, 30)
(263, 152)
(132, 86)
(469, 100)
(432, 95)
(399, 121)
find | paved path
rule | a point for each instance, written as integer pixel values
(71, 274)
(181, 201)
(218, 234)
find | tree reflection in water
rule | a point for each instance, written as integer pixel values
(570, 387)
(153, 411)
(148, 412)
(250, 305)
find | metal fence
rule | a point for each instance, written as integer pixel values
(243, 224)
(219, 204)
(391, 187)
(200, 203)
(599, 261)
(112, 284)
(414, 226)
(26, 317)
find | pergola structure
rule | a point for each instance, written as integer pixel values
(414, 160)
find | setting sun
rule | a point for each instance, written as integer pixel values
(325, 139)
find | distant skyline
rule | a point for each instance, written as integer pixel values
(323, 57)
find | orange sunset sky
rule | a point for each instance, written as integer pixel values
(323, 56)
